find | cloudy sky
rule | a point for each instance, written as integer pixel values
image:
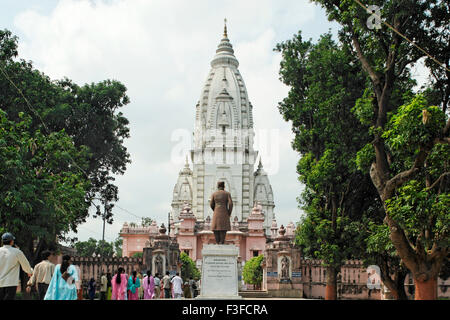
(161, 50)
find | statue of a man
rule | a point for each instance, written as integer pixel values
(222, 206)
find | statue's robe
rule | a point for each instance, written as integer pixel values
(222, 205)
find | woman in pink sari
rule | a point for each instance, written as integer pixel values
(119, 285)
(149, 286)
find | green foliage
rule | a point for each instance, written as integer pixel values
(416, 207)
(365, 157)
(118, 247)
(364, 108)
(93, 247)
(59, 148)
(378, 241)
(325, 84)
(406, 131)
(252, 272)
(319, 240)
(146, 222)
(138, 255)
(424, 213)
(188, 267)
(41, 193)
(402, 136)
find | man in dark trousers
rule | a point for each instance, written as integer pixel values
(42, 275)
(11, 260)
(222, 206)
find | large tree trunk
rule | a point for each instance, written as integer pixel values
(426, 290)
(331, 288)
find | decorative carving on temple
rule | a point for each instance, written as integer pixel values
(186, 212)
(235, 224)
(153, 229)
(290, 229)
(285, 267)
(162, 229)
(208, 223)
(257, 210)
(159, 264)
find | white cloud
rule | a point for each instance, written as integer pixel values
(161, 51)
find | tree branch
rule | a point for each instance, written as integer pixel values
(402, 244)
(402, 177)
(372, 74)
(435, 183)
(442, 140)
(447, 128)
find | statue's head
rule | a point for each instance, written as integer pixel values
(221, 185)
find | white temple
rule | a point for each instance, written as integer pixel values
(223, 147)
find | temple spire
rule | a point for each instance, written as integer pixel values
(225, 33)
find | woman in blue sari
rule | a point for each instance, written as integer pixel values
(133, 284)
(62, 286)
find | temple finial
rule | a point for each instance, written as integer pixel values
(225, 34)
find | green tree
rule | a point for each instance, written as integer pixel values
(252, 272)
(105, 249)
(188, 267)
(386, 58)
(91, 129)
(86, 248)
(118, 247)
(93, 247)
(146, 222)
(325, 83)
(138, 255)
(41, 194)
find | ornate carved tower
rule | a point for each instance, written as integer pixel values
(223, 146)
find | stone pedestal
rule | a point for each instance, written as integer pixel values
(219, 272)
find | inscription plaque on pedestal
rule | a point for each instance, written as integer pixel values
(219, 272)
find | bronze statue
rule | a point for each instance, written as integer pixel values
(222, 206)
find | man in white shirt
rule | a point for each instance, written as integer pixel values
(166, 285)
(11, 259)
(103, 286)
(177, 286)
(42, 275)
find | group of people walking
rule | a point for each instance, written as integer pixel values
(63, 281)
(151, 287)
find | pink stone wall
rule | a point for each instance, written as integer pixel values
(133, 243)
(254, 243)
(188, 242)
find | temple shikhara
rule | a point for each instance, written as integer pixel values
(223, 150)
